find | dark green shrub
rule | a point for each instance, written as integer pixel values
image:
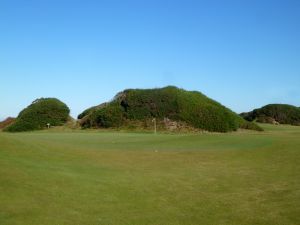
(250, 126)
(86, 112)
(110, 116)
(193, 108)
(281, 113)
(41, 112)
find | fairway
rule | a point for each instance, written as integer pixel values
(116, 178)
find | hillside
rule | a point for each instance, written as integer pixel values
(172, 107)
(41, 112)
(275, 113)
(8, 121)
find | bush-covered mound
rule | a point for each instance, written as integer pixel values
(275, 113)
(8, 121)
(165, 104)
(41, 112)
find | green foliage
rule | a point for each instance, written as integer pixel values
(86, 112)
(109, 116)
(250, 126)
(39, 113)
(282, 113)
(193, 108)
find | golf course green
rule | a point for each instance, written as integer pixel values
(70, 177)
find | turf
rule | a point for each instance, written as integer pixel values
(115, 178)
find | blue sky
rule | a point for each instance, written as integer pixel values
(242, 53)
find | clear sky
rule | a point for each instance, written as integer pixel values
(242, 53)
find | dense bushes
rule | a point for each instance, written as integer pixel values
(86, 112)
(193, 108)
(281, 113)
(41, 112)
(250, 126)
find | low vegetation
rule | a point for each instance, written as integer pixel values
(275, 113)
(41, 112)
(169, 103)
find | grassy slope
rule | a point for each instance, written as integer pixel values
(126, 178)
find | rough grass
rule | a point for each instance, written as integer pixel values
(55, 177)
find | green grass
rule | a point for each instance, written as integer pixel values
(111, 178)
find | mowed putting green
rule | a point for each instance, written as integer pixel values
(114, 178)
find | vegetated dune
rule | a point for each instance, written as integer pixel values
(274, 114)
(8, 121)
(39, 114)
(173, 108)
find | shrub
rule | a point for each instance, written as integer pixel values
(282, 113)
(193, 108)
(250, 126)
(41, 112)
